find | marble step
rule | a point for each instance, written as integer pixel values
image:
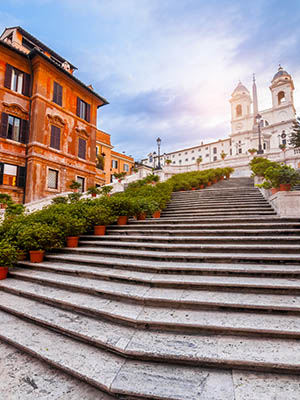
(188, 233)
(112, 373)
(215, 213)
(204, 205)
(187, 256)
(264, 221)
(213, 226)
(263, 354)
(192, 240)
(163, 318)
(225, 248)
(111, 264)
(187, 292)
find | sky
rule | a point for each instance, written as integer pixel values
(167, 67)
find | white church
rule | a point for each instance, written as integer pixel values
(274, 123)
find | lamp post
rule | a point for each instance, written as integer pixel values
(158, 141)
(258, 119)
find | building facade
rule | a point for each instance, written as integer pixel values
(48, 132)
(274, 123)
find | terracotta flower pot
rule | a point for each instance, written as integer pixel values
(201, 186)
(141, 217)
(274, 190)
(2, 205)
(208, 184)
(221, 178)
(99, 230)
(72, 241)
(122, 220)
(3, 273)
(227, 176)
(285, 187)
(193, 188)
(156, 214)
(36, 256)
(94, 194)
(215, 180)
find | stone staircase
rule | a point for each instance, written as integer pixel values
(203, 303)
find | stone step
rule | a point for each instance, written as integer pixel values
(110, 372)
(264, 221)
(215, 225)
(188, 256)
(186, 233)
(215, 213)
(275, 248)
(140, 289)
(204, 205)
(263, 354)
(193, 239)
(212, 275)
(200, 321)
(111, 265)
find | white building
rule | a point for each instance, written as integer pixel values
(275, 125)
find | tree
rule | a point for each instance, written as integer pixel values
(295, 134)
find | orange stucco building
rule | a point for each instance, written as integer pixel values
(48, 132)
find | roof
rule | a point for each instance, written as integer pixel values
(35, 52)
(240, 89)
(40, 44)
(121, 155)
(281, 72)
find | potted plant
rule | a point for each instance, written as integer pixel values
(120, 176)
(8, 257)
(135, 170)
(199, 161)
(94, 190)
(105, 190)
(122, 207)
(71, 227)
(98, 217)
(4, 200)
(282, 147)
(223, 155)
(100, 161)
(37, 238)
(168, 161)
(74, 185)
(252, 151)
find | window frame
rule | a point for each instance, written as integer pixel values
(57, 179)
(81, 140)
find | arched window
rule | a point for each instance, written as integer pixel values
(238, 110)
(281, 97)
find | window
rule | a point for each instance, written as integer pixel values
(180, 161)
(193, 158)
(199, 149)
(215, 158)
(80, 180)
(57, 93)
(12, 175)
(206, 155)
(150, 159)
(114, 163)
(240, 151)
(14, 128)
(186, 159)
(265, 145)
(179, 154)
(238, 110)
(186, 152)
(281, 97)
(81, 148)
(55, 137)
(83, 110)
(126, 167)
(173, 155)
(215, 150)
(52, 179)
(192, 151)
(17, 80)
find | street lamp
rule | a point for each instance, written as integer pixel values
(260, 149)
(158, 141)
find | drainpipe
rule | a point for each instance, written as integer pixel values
(29, 130)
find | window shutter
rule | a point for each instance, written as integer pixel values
(55, 137)
(1, 173)
(8, 73)
(78, 107)
(26, 85)
(21, 176)
(4, 121)
(55, 92)
(81, 148)
(24, 131)
(88, 113)
(59, 95)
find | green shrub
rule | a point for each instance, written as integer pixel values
(99, 215)
(38, 236)
(8, 254)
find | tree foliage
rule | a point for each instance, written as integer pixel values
(295, 134)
